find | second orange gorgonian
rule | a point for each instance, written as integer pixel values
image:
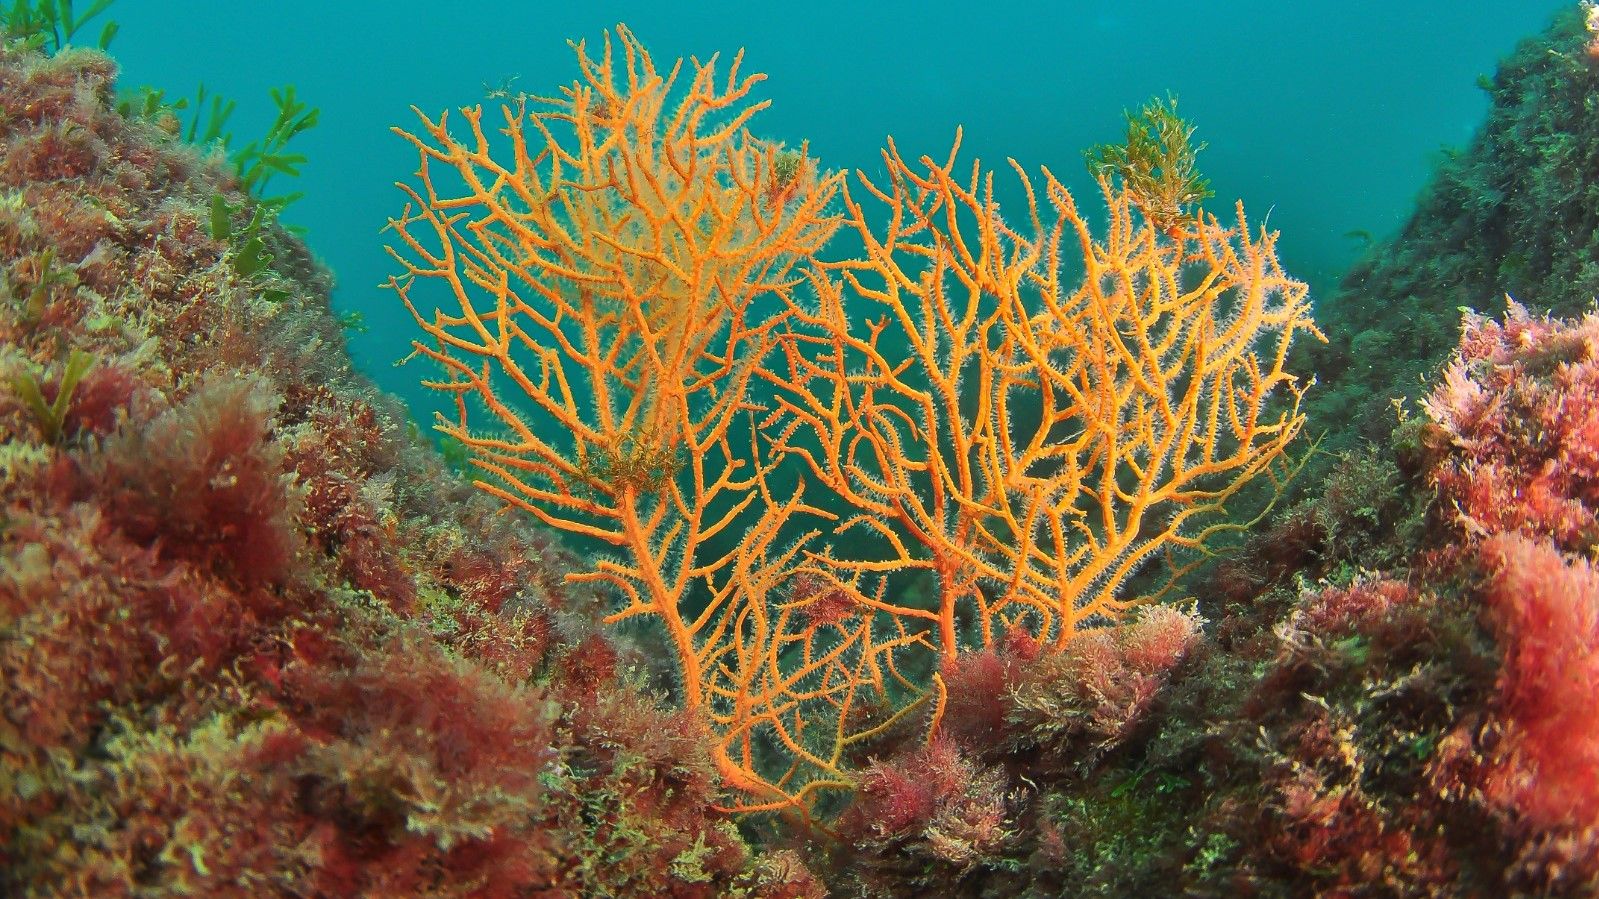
(1028, 411)
(625, 293)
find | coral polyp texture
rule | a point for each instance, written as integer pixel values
(650, 346)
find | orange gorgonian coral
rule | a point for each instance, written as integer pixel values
(1031, 440)
(618, 312)
(612, 280)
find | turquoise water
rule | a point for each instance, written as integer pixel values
(1327, 116)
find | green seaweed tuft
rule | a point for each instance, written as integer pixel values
(50, 417)
(1156, 165)
(50, 25)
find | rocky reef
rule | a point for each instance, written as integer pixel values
(255, 637)
(1513, 213)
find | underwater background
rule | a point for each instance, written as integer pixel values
(1330, 117)
(261, 635)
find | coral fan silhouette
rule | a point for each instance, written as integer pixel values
(644, 341)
